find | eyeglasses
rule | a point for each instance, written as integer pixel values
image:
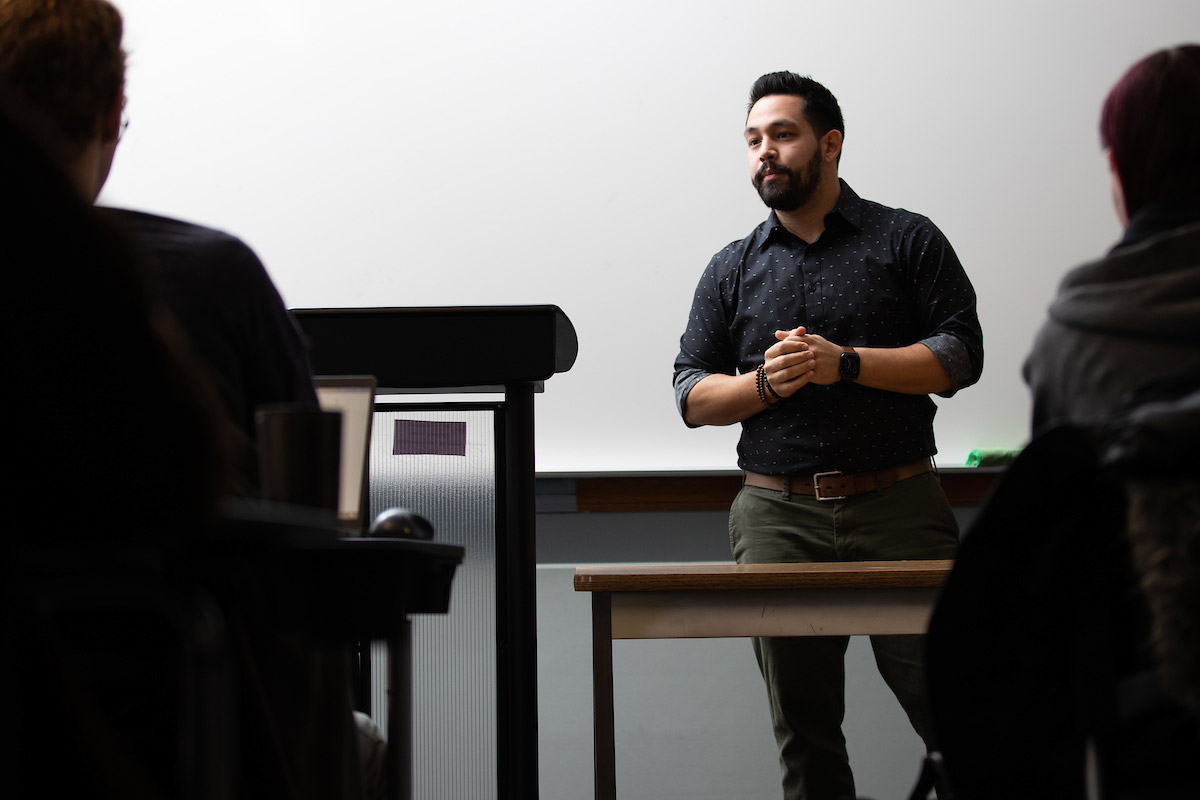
(124, 121)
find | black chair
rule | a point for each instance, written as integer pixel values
(123, 680)
(1041, 679)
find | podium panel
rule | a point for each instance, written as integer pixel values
(454, 655)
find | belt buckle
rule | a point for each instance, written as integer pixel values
(817, 485)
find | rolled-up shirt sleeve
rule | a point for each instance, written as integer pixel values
(705, 347)
(948, 306)
(952, 354)
(685, 379)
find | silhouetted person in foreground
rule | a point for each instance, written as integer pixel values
(111, 432)
(66, 63)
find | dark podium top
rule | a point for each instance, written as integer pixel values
(451, 347)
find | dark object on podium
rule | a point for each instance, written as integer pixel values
(431, 348)
(401, 523)
(467, 349)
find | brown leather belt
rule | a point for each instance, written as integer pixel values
(835, 485)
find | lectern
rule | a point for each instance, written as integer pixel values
(513, 349)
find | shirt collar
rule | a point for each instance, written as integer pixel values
(849, 210)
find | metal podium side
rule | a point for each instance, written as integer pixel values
(428, 350)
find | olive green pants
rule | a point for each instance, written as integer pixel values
(805, 676)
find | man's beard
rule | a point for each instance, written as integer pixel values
(792, 192)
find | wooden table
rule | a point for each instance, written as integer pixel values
(680, 601)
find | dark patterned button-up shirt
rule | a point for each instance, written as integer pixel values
(877, 277)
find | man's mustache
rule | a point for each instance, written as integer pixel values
(770, 165)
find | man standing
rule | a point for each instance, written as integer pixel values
(823, 333)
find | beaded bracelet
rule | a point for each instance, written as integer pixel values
(770, 388)
(763, 386)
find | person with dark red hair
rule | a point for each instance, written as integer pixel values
(1119, 358)
(1063, 656)
(1150, 126)
(1135, 314)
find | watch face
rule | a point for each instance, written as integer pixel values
(848, 366)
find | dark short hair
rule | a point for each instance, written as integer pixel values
(63, 59)
(821, 108)
(1151, 122)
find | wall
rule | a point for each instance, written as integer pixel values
(589, 155)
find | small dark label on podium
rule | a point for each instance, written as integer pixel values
(423, 438)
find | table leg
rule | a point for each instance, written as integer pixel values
(602, 697)
(398, 759)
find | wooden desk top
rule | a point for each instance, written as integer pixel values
(729, 577)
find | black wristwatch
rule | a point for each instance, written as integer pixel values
(849, 364)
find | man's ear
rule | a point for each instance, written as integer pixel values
(831, 146)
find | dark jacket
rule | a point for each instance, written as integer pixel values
(1121, 320)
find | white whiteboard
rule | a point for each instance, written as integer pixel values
(589, 155)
